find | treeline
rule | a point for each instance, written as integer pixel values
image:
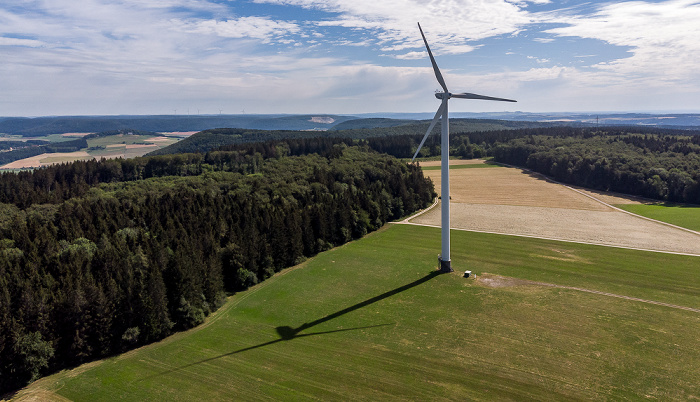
(479, 144)
(212, 139)
(8, 145)
(133, 250)
(662, 167)
(662, 164)
(60, 182)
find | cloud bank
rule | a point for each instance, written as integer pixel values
(343, 56)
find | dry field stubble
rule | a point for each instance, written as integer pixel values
(47, 159)
(512, 201)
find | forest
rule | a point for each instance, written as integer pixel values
(661, 164)
(208, 140)
(661, 167)
(99, 257)
(657, 163)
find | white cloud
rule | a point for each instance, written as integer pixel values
(447, 24)
(664, 37)
(412, 56)
(244, 27)
(20, 42)
(544, 40)
(539, 60)
(129, 55)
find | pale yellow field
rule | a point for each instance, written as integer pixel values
(110, 150)
(158, 139)
(137, 146)
(179, 133)
(47, 159)
(75, 134)
(507, 186)
(513, 201)
(453, 162)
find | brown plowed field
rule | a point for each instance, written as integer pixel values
(512, 201)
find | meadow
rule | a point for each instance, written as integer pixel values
(372, 320)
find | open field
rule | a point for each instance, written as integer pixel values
(47, 159)
(684, 216)
(462, 166)
(453, 162)
(371, 320)
(113, 146)
(513, 201)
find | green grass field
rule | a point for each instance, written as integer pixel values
(679, 215)
(371, 320)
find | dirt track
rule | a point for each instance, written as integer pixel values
(511, 201)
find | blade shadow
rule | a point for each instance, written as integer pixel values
(287, 333)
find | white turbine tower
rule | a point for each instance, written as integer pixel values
(444, 259)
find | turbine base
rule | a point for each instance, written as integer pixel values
(444, 266)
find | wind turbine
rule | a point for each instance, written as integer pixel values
(444, 258)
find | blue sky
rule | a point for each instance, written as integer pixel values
(67, 57)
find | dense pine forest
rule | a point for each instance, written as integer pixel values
(99, 257)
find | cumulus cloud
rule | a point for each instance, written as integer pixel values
(128, 53)
(244, 27)
(664, 37)
(449, 24)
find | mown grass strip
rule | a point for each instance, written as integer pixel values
(370, 320)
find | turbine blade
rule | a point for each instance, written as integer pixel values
(430, 128)
(432, 60)
(482, 97)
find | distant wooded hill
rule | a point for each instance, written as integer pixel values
(38, 126)
(212, 139)
(163, 123)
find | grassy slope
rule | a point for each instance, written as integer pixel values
(379, 326)
(684, 216)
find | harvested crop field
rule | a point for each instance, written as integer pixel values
(47, 159)
(512, 201)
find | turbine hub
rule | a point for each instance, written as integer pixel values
(441, 95)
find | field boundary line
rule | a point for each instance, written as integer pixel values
(518, 281)
(601, 201)
(553, 239)
(599, 292)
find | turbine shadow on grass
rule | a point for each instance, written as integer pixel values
(287, 333)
